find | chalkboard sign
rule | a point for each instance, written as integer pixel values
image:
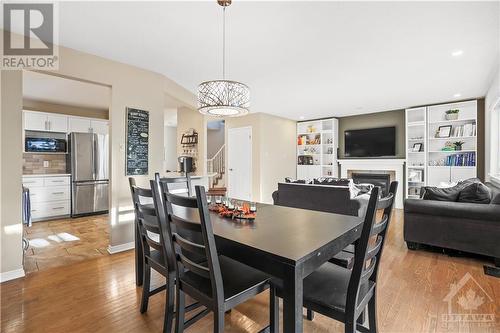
(137, 142)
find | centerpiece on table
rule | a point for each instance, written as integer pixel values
(233, 209)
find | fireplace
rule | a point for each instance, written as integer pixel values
(378, 179)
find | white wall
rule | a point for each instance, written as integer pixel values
(170, 144)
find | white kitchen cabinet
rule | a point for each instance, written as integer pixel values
(87, 125)
(99, 126)
(35, 121)
(50, 196)
(40, 121)
(79, 125)
(57, 123)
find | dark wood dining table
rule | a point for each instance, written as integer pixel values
(286, 243)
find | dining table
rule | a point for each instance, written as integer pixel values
(286, 243)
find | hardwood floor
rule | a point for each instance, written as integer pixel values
(99, 295)
(66, 241)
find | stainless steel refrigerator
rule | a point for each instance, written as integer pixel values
(88, 156)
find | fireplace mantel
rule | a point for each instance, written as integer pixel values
(395, 165)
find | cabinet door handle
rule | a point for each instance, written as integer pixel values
(56, 208)
(57, 192)
(57, 181)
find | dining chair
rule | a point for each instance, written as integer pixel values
(218, 282)
(343, 294)
(178, 185)
(153, 252)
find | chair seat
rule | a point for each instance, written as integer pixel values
(237, 278)
(327, 287)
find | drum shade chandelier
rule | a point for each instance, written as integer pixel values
(223, 98)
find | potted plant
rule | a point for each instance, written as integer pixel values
(458, 145)
(452, 114)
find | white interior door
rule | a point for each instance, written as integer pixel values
(239, 162)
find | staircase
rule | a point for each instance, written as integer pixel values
(217, 165)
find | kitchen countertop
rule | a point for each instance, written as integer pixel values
(192, 175)
(48, 175)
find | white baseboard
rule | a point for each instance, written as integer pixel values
(120, 248)
(11, 275)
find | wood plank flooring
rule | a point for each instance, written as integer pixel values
(99, 295)
(66, 241)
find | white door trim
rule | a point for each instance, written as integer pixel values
(251, 160)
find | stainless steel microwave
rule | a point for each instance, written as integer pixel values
(45, 145)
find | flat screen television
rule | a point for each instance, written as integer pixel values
(371, 142)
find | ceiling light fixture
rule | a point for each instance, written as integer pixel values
(457, 53)
(457, 95)
(223, 98)
(302, 117)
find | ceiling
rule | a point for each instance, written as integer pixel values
(302, 59)
(57, 90)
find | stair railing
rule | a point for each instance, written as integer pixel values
(216, 165)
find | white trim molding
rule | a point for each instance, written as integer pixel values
(11, 275)
(112, 249)
(395, 165)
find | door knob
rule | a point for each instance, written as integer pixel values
(230, 169)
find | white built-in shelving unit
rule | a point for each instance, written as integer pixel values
(317, 146)
(432, 165)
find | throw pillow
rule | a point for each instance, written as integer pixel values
(448, 193)
(475, 193)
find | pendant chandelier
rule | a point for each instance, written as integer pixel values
(223, 98)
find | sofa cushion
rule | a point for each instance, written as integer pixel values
(296, 181)
(460, 210)
(449, 193)
(475, 193)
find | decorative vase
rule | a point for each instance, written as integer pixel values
(458, 148)
(451, 116)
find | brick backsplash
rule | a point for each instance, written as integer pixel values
(33, 163)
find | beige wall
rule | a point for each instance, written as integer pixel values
(11, 171)
(277, 153)
(189, 118)
(130, 87)
(372, 120)
(273, 151)
(34, 105)
(215, 140)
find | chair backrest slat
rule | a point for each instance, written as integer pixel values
(186, 181)
(189, 246)
(385, 202)
(194, 267)
(373, 250)
(380, 226)
(185, 224)
(368, 271)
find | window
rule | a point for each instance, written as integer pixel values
(495, 144)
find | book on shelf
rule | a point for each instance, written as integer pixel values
(464, 130)
(464, 159)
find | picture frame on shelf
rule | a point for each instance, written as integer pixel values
(444, 131)
(415, 176)
(417, 147)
